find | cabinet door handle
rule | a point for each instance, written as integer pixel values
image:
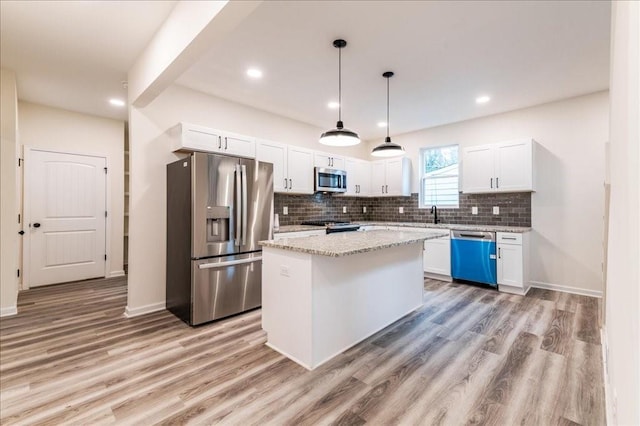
(219, 142)
(491, 183)
(383, 189)
(225, 142)
(386, 187)
(497, 182)
(285, 183)
(290, 184)
(499, 253)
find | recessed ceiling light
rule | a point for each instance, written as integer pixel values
(333, 104)
(382, 124)
(117, 102)
(254, 73)
(482, 99)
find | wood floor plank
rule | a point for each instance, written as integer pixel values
(468, 355)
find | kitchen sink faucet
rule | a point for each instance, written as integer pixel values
(434, 211)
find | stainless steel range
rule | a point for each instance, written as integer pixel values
(333, 226)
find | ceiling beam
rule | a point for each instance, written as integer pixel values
(191, 29)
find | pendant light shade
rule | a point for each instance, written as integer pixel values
(387, 148)
(339, 136)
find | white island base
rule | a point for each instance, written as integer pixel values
(315, 307)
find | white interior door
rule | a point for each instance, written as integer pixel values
(66, 213)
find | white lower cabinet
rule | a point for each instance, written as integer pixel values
(437, 258)
(512, 263)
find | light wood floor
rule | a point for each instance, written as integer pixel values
(469, 355)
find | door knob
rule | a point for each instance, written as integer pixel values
(21, 232)
(36, 225)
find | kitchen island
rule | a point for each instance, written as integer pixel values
(323, 294)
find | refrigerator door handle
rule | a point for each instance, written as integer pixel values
(245, 207)
(238, 205)
(229, 263)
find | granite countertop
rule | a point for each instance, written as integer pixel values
(346, 243)
(487, 228)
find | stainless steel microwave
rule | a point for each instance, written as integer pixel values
(330, 180)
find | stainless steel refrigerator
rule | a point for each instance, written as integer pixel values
(218, 208)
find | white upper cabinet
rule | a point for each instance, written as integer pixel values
(330, 161)
(500, 167)
(391, 177)
(300, 170)
(292, 166)
(358, 177)
(276, 154)
(191, 137)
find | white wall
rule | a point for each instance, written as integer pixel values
(622, 327)
(568, 207)
(8, 187)
(54, 129)
(150, 152)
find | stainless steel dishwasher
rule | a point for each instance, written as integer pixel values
(473, 256)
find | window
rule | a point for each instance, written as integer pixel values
(439, 177)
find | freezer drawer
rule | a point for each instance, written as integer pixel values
(225, 286)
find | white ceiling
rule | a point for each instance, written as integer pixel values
(74, 55)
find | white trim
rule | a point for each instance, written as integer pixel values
(6, 312)
(519, 291)
(114, 274)
(566, 289)
(143, 310)
(610, 412)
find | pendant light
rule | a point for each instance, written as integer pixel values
(387, 148)
(339, 136)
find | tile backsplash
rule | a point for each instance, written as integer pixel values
(515, 209)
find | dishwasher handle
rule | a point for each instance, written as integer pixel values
(473, 235)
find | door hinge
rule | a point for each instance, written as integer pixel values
(18, 273)
(105, 257)
(19, 218)
(105, 213)
(105, 170)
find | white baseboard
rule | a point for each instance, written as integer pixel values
(114, 274)
(143, 310)
(610, 411)
(6, 312)
(566, 289)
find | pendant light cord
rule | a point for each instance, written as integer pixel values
(340, 84)
(387, 106)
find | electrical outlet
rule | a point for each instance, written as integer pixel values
(474, 210)
(400, 209)
(284, 270)
(344, 209)
(285, 210)
(364, 209)
(496, 210)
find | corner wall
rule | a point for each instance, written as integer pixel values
(622, 310)
(9, 242)
(47, 128)
(568, 207)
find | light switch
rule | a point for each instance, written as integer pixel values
(285, 210)
(400, 209)
(474, 210)
(284, 270)
(344, 209)
(496, 210)
(364, 209)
